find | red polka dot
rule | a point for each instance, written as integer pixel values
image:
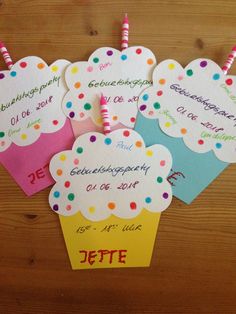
(68, 207)
(229, 81)
(133, 205)
(23, 65)
(126, 133)
(55, 122)
(159, 93)
(81, 96)
(138, 51)
(132, 119)
(67, 184)
(200, 142)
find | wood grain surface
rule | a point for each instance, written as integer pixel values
(193, 268)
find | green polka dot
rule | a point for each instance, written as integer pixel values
(95, 60)
(189, 72)
(156, 105)
(87, 106)
(71, 197)
(79, 150)
(159, 179)
(2, 134)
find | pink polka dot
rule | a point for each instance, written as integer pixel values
(90, 69)
(229, 82)
(126, 133)
(81, 114)
(151, 113)
(162, 163)
(159, 93)
(55, 122)
(81, 96)
(23, 65)
(76, 161)
(180, 77)
(3, 143)
(68, 207)
(132, 119)
(67, 184)
(200, 142)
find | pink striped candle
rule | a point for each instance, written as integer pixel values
(125, 33)
(228, 63)
(6, 55)
(105, 115)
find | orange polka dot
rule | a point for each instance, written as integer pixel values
(138, 144)
(77, 85)
(111, 205)
(59, 172)
(162, 81)
(150, 61)
(183, 131)
(41, 66)
(114, 118)
(37, 126)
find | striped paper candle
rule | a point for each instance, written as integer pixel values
(105, 115)
(228, 63)
(125, 33)
(6, 55)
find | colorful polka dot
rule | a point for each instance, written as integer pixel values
(162, 163)
(81, 114)
(138, 144)
(71, 196)
(92, 209)
(156, 105)
(200, 142)
(77, 85)
(55, 122)
(2, 134)
(133, 205)
(111, 205)
(126, 133)
(40, 66)
(87, 106)
(159, 93)
(162, 81)
(165, 195)
(149, 153)
(68, 104)
(171, 66)
(68, 207)
(216, 76)
(23, 65)
(180, 77)
(218, 145)
(109, 52)
(59, 172)
(107, 141)
(13, 73)
(123, 57)
(56, 194)
(79, 150)
(138, 51)
(76, 161)
(148, 200)
(159, 180)
(183, 131)
(189, 72)
(93, 138)
(145, 97)
(2, 143)
(24, 136)
(2, 76)
(114, 118)
(203, 64)
(74, 70)
(142, 107)
(90, 69)
(62, 157)
(151, 113)
(132, 119)
(99, 121)
(54, 68)
(71, 114)
(81, 96)
(229, 82)
(150, 61)
(167, 124)
(95, 60)
(37, 126)
(55, 207)
(67, 184)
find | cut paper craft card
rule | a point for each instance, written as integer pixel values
(120, 76)
(32, 125)
(109, 179)
(197, 105)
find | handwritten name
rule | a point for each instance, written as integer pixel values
(101, 256)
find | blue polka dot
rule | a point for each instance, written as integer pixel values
(108, 141)
(218, 145)
(216, 76)
(69, 104)
(13, 73)
(148, 200)
(56, 194)
(145, 97)
(123, 57)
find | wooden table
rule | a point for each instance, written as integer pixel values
(193, 268)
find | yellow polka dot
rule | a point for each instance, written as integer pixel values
(59, 172)
(138, 144)
(62, 157)
(162, 81)
(171, 66)
(91, 209)
(99, 121)
(74, 70)
(77, 85)
(54, 68)
(23, 136)
(149, 153)
(41, 66)
(183, 131)
(150, 61)
(167, 124)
